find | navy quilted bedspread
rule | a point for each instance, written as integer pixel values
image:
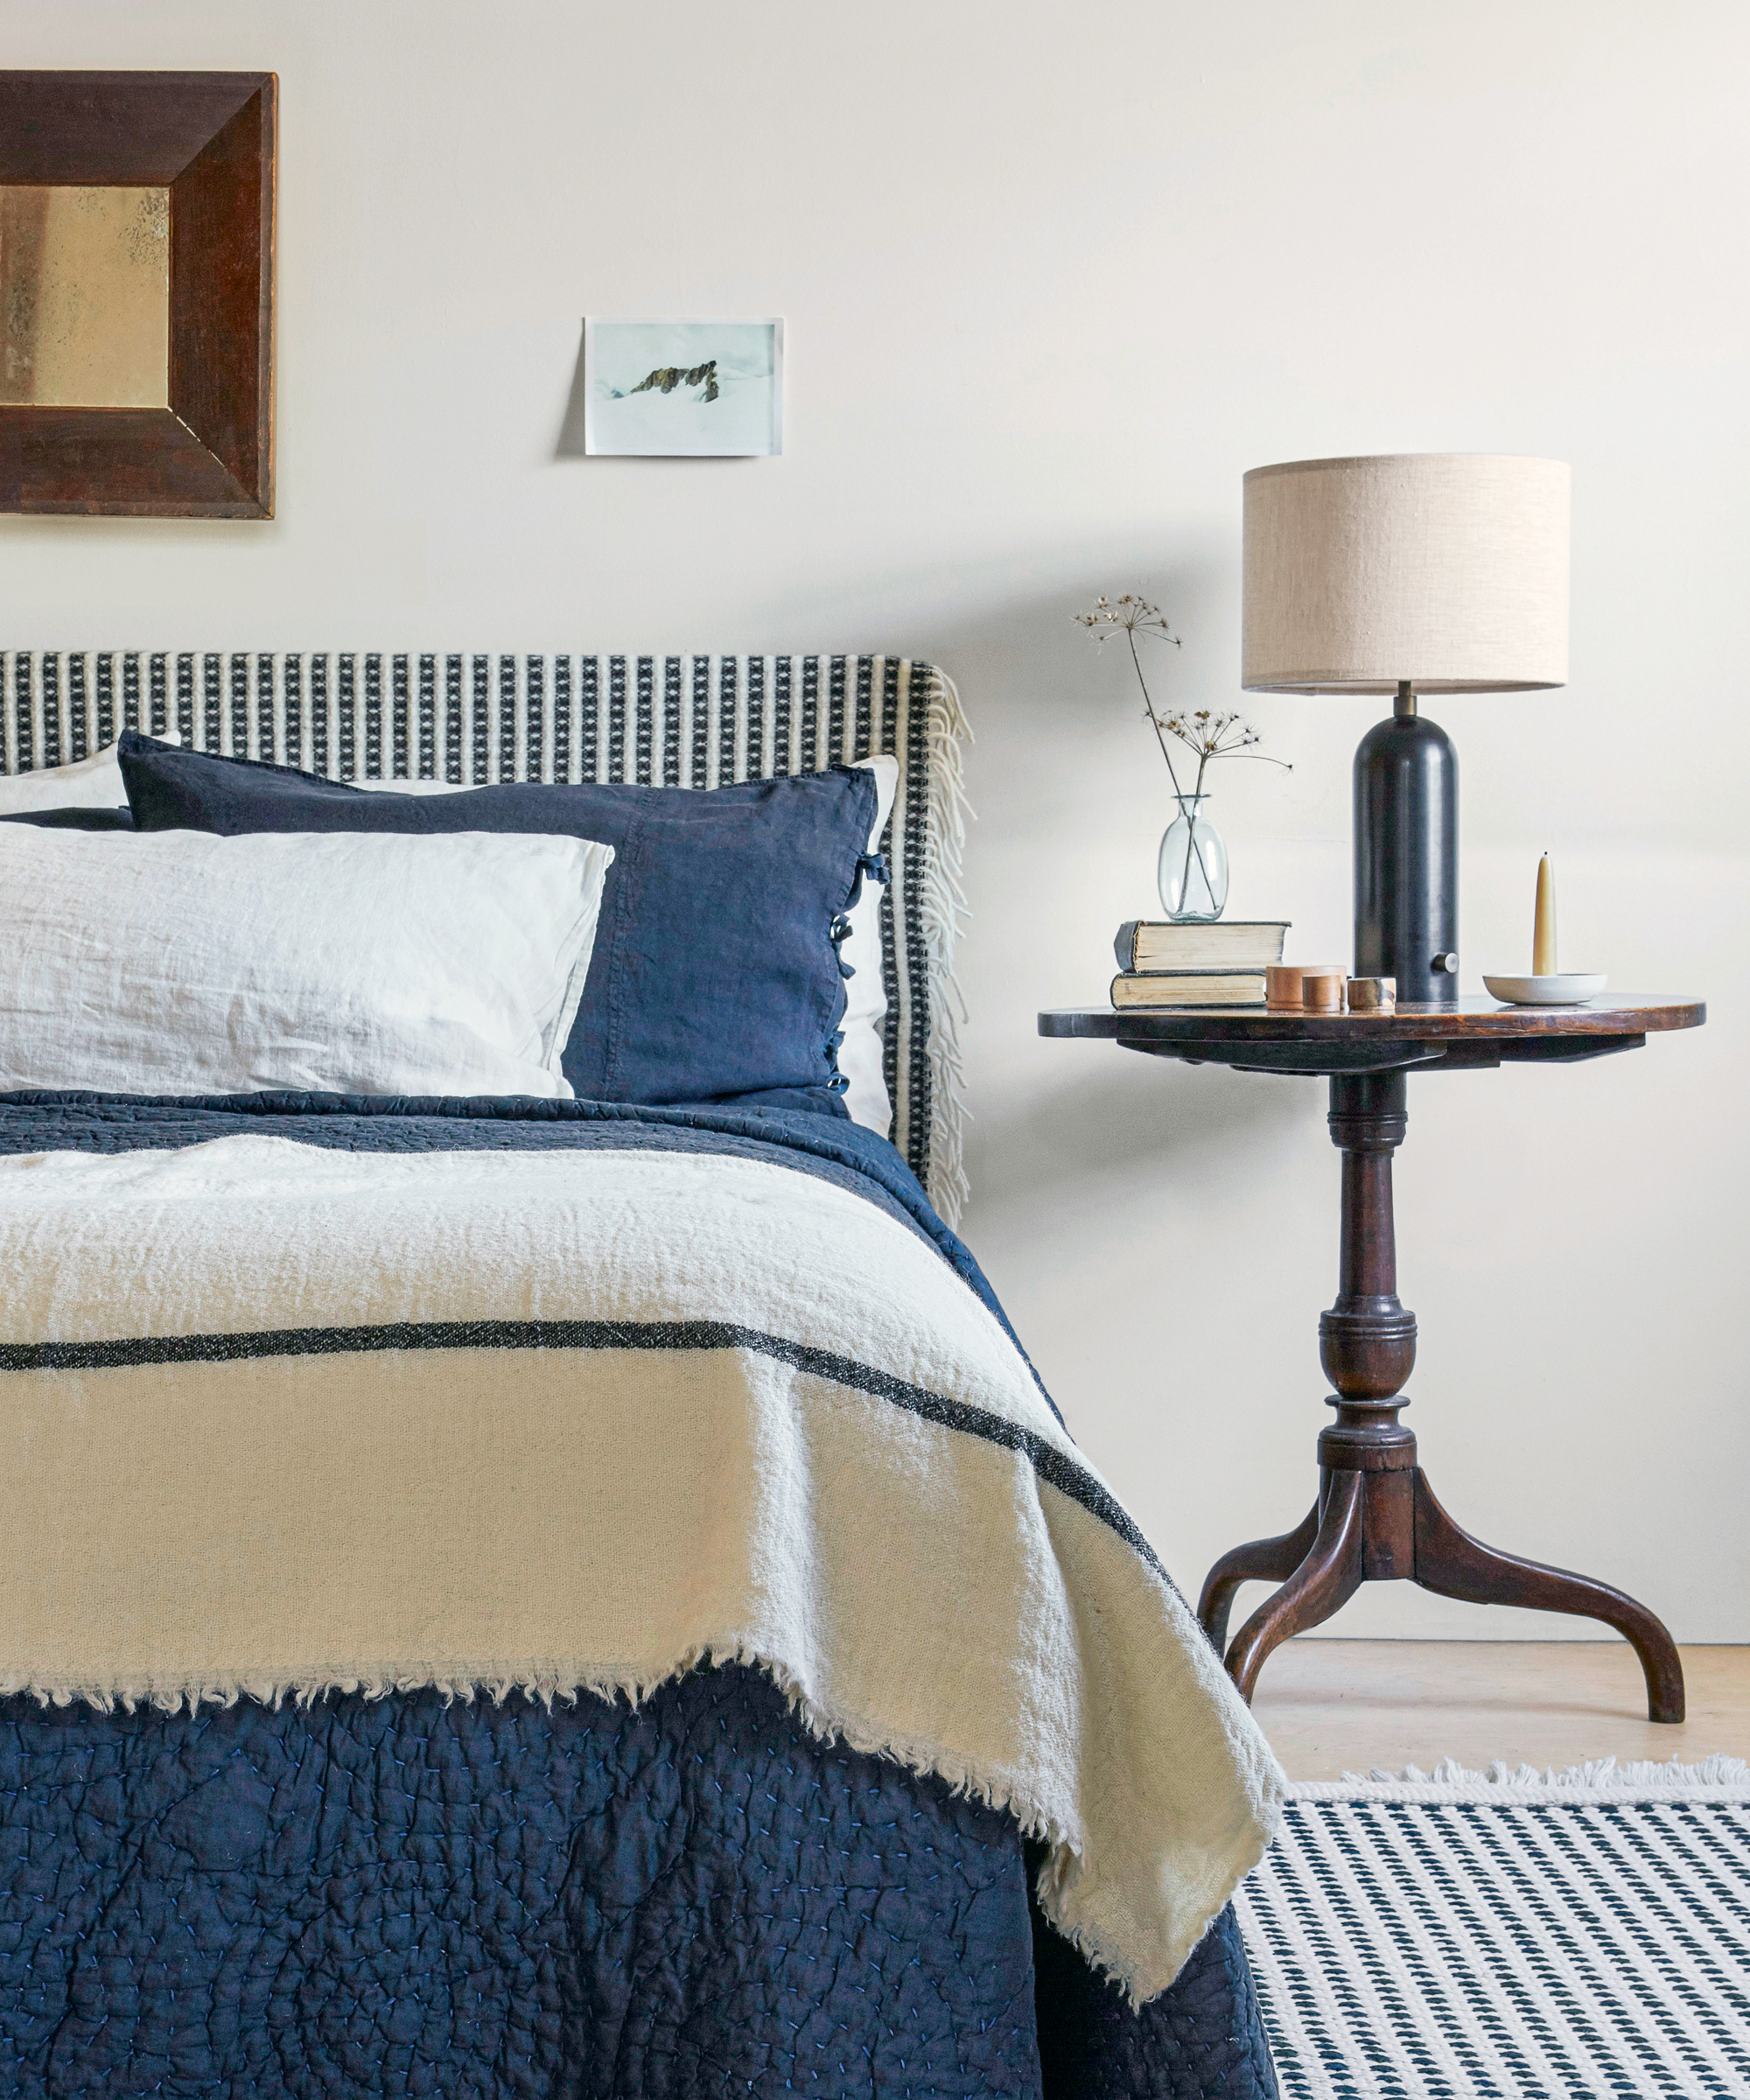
(402, 1897)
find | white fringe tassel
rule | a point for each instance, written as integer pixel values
(1719, 1778)
(542, 1683)
(941, 907)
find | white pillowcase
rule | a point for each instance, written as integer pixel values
(419, 787)
(93, 783)
(860, 1055)
(341, 963)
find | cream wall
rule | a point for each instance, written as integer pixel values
(1055, 278)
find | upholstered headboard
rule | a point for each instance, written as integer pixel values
(691, 721)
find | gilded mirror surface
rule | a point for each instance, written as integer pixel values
(85, 296)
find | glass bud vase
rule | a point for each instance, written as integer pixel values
(1194, 866)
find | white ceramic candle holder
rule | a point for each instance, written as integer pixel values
(1569, 988)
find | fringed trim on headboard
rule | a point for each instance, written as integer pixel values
(942, 907)
(692, 721)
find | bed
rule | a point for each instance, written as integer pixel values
(573, 1594)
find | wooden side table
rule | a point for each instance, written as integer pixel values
(1377, 1518)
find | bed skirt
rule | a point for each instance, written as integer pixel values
(409, 1895)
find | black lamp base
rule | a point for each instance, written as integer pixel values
(1406, 833)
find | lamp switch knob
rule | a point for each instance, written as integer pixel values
(1446, 963)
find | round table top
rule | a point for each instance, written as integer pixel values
(1471, 1019)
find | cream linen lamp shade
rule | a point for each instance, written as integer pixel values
(1445, 571)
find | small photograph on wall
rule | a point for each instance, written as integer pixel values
(695, 389)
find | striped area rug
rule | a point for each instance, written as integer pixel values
(1463, 1936)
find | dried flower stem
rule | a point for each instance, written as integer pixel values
(1148, 701)
(1207, 733)
(1132, 615)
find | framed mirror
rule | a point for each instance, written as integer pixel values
(137, 224)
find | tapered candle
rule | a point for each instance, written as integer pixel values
(1543, 928)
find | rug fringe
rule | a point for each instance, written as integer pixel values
(1719, 1777)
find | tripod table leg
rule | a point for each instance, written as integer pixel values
(1262, 1560)
(1452, 1563)
(1323, 1583)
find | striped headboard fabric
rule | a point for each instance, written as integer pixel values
(482, 717)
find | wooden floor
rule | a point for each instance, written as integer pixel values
(1332, 1706)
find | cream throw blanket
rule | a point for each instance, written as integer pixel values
(278, 1418)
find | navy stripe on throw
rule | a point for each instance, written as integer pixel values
(1048, 1462)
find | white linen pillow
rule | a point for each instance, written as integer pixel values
(861, 1055)
(341, 963)
(93, 783)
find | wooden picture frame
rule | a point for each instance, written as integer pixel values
(209, 138)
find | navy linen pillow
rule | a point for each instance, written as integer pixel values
(79, 819)
(715, 971)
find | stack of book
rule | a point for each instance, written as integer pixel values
(1161, 964)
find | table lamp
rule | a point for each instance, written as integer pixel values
(1407, 573)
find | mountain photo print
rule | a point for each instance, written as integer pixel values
(687, 389)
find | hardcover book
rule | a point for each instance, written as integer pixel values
(1188, 988)
(1226, 944)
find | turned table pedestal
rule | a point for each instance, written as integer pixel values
(1376, 1519)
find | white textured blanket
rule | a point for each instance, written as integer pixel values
(275, 1419)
